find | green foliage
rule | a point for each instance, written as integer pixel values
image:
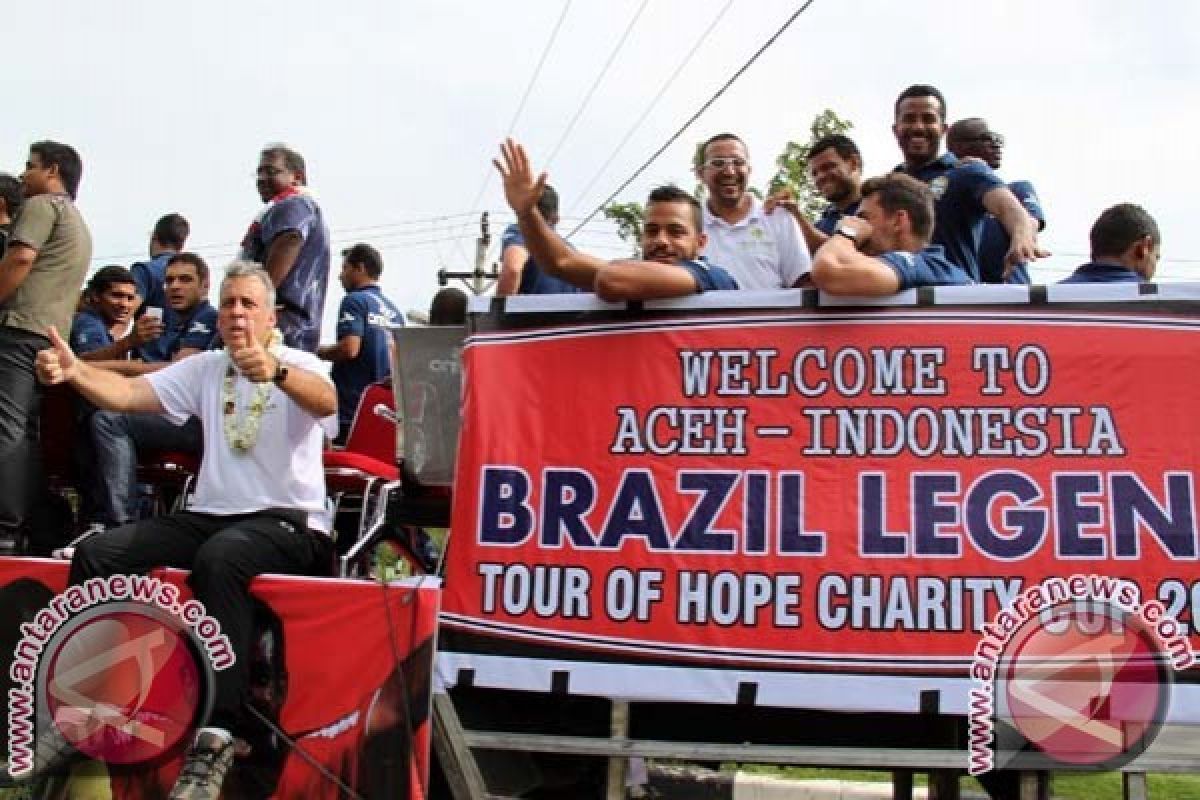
(792, 163)
(628, 218)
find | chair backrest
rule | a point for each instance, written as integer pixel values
(427, 377)
(371, 434)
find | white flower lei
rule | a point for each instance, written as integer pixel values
(241, 430)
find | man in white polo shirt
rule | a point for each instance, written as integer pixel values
(259, 506)
(762, 251)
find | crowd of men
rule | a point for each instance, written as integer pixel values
(156, 367)
(939, 218)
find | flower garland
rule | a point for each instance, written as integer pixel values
(241, 430)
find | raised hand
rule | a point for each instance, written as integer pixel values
(781, 198)
(250, 357)
(56, 364)
(521, 189)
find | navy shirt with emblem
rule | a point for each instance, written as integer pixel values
(150, 277)
(958, 189)
(196, 330)
(363, 313)
(832, 215)
(89, 332)
(930, 267)
(1098, 272)
(302, 293)
(994, 244)
(533, 280)
(709, 278)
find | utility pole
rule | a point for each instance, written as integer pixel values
(478, 280)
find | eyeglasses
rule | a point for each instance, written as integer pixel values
(993, 139)
(722, 163)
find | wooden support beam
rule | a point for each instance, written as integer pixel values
(453, 752)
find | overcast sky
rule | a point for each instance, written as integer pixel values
(398, 107)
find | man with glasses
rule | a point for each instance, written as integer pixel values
(971, 138)
(965, 192)
(761, 250)
(290, 239)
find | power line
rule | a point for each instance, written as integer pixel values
(487, 177)
(653, 104)
(695, 116)
(596, 83)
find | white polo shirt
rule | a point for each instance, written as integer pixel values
(761, 251)
(284, 468)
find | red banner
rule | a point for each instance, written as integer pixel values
(341, 668)
(795, 491)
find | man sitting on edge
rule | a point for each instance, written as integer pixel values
(672, 239)
(260, 498)
(886, 248)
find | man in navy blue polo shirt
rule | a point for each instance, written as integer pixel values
(964, 192)
(290, 239)
(168, 238)
(362, 354)
(971, 138)
(1126, 246)
(672, 238)
(519, 273)
(189, 326)
(886, 248)
(835, 168)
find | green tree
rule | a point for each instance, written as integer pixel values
(628, 218)
(792, 163)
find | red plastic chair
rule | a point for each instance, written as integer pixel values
(368, 458)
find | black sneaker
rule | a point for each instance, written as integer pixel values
(204, 768)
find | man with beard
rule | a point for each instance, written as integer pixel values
(971, 138)
(835, 168)
(886, 248)
(761, 248)
(965, 192)
(291, 241)
(671, 241)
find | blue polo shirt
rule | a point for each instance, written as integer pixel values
(89, 332)
(994, 244)
(362, 313)
(197, 330)
(533, 280)
(958, 190)
(302, 293)
(150, 277)
(930, 267)
(708, 277)
(832, 215)
(1098, 272)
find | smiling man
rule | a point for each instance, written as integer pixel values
(290, 239)
(886, 248)
(761, 248)
(671, 241)
(259, 505)
(965, 193)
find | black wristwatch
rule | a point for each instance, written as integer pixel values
(848, 232)
(281, 372)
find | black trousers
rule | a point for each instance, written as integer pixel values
(224, 553)
(20, 396)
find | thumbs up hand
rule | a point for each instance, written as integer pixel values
(250, 357)
(56, 364)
